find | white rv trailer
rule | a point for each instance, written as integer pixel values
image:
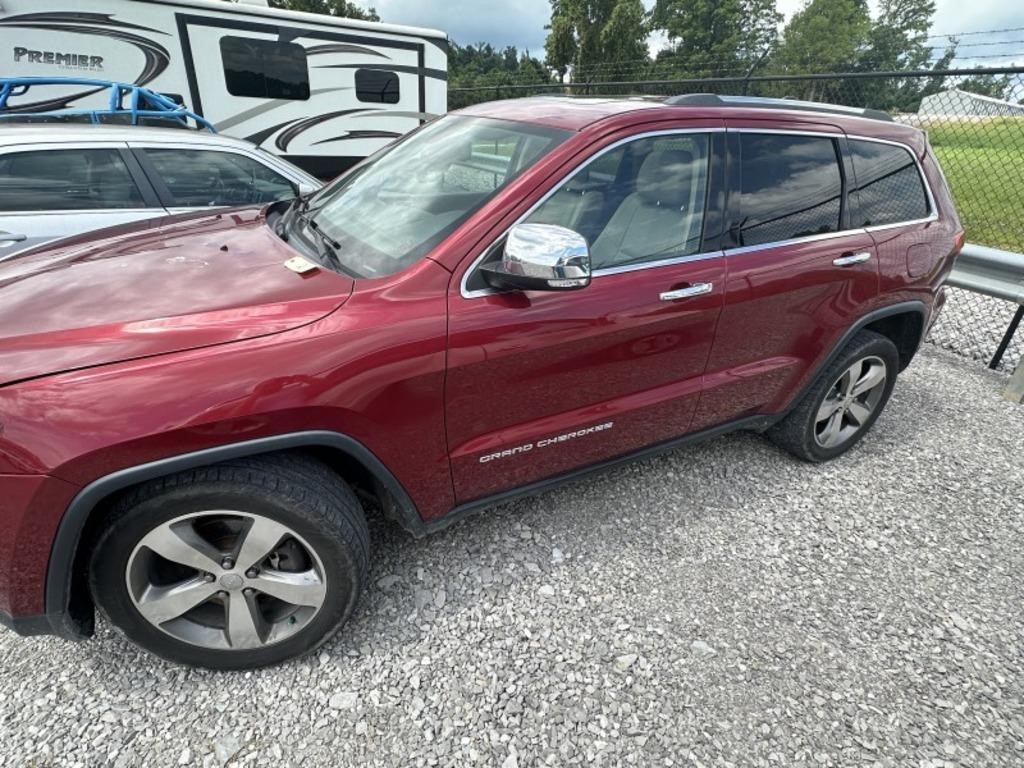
(321, 91)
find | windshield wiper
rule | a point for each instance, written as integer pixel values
(328, 245)
(296, 209)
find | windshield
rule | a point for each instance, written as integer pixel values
(387, 214)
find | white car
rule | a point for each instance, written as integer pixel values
(58, 180)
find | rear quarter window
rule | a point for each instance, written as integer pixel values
(888, 184)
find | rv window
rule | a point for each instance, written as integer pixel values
(265, 69)
(377, 86)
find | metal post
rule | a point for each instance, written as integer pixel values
(1011, 329)
(1014, 391)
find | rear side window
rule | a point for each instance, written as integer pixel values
(377, 86)
(791, 187)
(198, 178)
(265, 69)
(66, 180)
(888, 183)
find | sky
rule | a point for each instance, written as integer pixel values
(521, 22)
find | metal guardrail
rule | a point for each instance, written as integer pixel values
(999, 274)
(990, 271)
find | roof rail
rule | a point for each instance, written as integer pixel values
(758, 102)
(142, 103)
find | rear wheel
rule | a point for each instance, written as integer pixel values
(843, 403)
(238, 565)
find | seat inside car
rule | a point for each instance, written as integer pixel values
(578, 205)
(660, 219)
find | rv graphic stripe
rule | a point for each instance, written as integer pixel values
(319, 50)
(157, 58)
(349, 135)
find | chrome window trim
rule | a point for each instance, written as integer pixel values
(787, 132)
(794, 241)
(467, 294)
(653, 264)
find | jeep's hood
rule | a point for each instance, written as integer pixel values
(152, 288)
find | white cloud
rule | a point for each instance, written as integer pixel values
(513, 22)
(521, 22)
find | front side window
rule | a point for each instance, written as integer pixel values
(888, 183)
(640, 202)
(197, 178)
(264, 69)
(66, 180)
(391, 211)
(791, 187)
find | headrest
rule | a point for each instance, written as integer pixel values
(665, 178)
(581, 182)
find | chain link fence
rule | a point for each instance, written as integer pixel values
(975, 122)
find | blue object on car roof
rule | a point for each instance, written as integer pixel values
(142, 103)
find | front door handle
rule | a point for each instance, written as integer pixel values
(849, 259)
(697, 289)
(6, 237)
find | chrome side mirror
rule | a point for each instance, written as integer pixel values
(540, 257)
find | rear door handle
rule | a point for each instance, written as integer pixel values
(697, 289)
(6, 237)
(849, 259)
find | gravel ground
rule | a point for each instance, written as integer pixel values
(972, 325)
(721, 605)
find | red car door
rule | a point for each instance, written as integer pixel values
(542, 383)
(798, 273)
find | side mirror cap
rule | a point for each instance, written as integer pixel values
(541, 257)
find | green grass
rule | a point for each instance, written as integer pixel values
(984, 164)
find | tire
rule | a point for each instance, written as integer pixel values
(834, 395)
(164, 568)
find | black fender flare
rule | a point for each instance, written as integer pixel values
(60, 570)
(902, 308)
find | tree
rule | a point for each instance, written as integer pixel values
(825, 36)
(624, 40)
(716, 37)
(995, 86)
(484, 66)
(598, 39)
(328, 7)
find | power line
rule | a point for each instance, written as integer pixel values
(978, 32)
(979, 45)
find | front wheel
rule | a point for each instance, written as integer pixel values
(234, 566)
(843, 403)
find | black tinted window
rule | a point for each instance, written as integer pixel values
(265, 69)
(889, 184)
(377, 86)
(791, 187)
(66, 180)
(197, 178)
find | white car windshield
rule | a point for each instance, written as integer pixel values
(392, 210)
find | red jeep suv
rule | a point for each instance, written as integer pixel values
(195, 412)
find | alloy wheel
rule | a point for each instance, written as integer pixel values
(850, 402)
(226, 580)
